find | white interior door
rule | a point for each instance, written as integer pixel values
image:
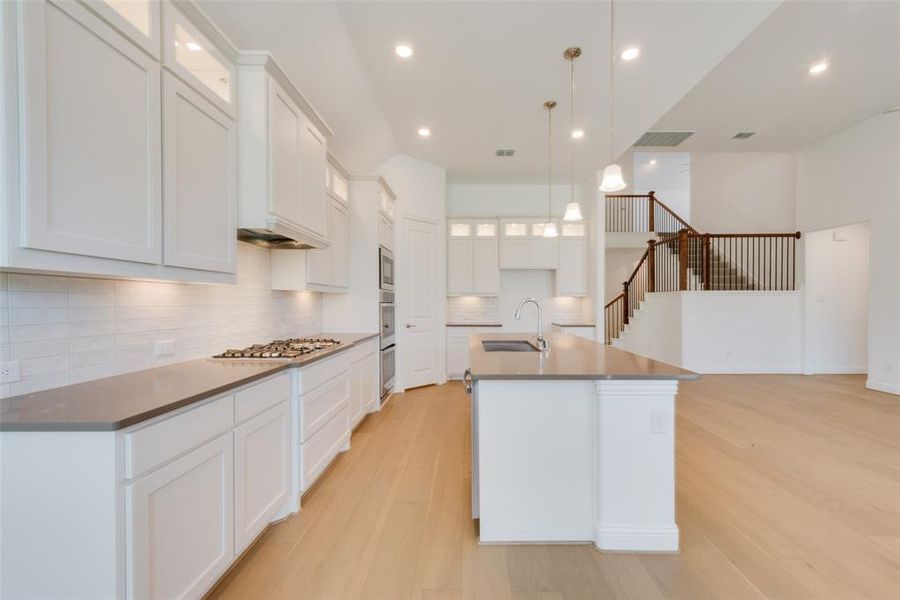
(420, 339)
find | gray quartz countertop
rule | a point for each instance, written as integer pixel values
(457, 324)
(569, 357)
(118, 402)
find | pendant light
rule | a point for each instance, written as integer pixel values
(612, 174)
(550, 226)
(573, 209)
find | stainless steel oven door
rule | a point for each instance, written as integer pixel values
(386, 311)
(387, 372)
(385, 269)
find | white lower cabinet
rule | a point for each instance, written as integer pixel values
(180, 528)
(261, 472)
(458, 348)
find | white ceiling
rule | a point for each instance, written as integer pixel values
(764, 84)
(481, 72)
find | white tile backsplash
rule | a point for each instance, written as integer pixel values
(71, 329)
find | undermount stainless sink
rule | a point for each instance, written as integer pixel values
(508, 346)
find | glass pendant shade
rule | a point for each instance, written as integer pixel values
(550, 230)
(573, 212)
(612, 179)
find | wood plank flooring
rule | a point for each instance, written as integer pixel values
(787, 487)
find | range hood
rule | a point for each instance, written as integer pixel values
(267, 238)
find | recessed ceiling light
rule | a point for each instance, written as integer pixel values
(652, 161)
(424, 132)
(630, 53)
(818, 68)
(577, 134)
(194, 46)
(403, 50)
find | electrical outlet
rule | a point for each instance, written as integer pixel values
(9, 372)
(659, 420)
(164, 348)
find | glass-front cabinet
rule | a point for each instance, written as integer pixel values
(139, 20)
(195, 58)
(473, 267)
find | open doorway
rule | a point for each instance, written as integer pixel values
(836, 300)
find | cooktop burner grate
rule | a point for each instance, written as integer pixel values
(290, 348)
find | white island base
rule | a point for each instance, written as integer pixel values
(575, 461)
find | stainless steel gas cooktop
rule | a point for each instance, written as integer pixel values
(283, 349)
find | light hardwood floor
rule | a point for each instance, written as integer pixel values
(787, 487)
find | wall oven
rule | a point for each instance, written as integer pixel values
(387, 372)
(386, 312)
(385, 269)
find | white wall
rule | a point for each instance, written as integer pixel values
(421, 189)
(720, 332)
(497, 200)
(67, 330)
(853, 177)
(666, 173)
(741, 192)
(620, 263)
(836, 300)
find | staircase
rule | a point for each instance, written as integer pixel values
(680, 258)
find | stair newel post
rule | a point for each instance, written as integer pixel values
(706, 248)
(625, 303)
(651, 203)
(683, 257)
(651, 266)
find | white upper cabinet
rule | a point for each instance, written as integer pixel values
(282, 145)
(472, 257)
(523, 245)
(200, 181)
(313, 200)
(191, 55)
(386, 200)
(98, 133)
(285, 125)
(137, 19)
(572, 273)
(91, 149)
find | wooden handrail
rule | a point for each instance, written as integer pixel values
(682, 258)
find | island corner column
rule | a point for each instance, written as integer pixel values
(634, 474)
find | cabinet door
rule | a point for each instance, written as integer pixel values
(457, 356)
(179, 524)
(459, 267)
(285, 125)
(200, 181)
(262, 456)
(320, 264)
(572, 275)
(357, 402)
(544, 254)
(485, 267)
(340, 245)
(371, 387)
(313, 200)
(515, 254)
(137, 19)
(91, 137)
(385, 232)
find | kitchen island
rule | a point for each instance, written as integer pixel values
(575, 444)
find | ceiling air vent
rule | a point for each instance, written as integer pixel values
(743, 135)
(663, 138)
(505, 152)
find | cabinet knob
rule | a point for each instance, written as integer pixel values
(409, 325)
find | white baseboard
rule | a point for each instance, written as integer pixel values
(836, 371)
(745, 370)
(618, 538)
(880, 386)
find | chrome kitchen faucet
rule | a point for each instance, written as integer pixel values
(542, 344)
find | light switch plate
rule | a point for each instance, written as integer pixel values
(9, 372)
(659, 420)
(164, 348)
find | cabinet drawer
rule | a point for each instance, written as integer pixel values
(319, 450)
(362, 351)
(253, 400)
(156, 444)
(319, 406)
(311, 377)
